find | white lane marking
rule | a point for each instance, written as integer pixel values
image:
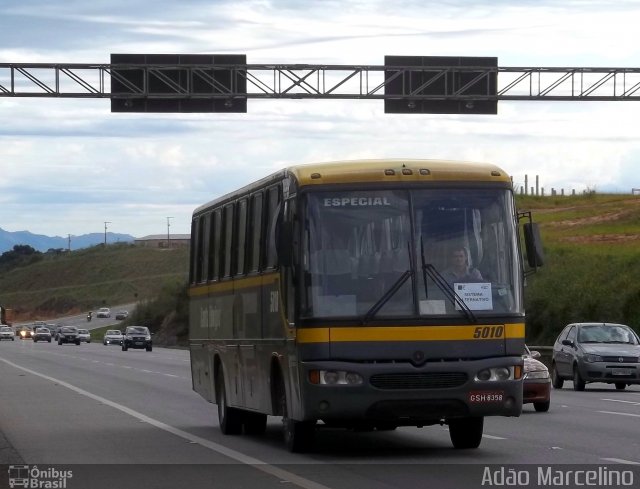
(283, 475)
(621, 461)
(622, 400)
(619, 414)
(493, 437)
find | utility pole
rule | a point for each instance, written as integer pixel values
(69, 243)
(168, 234)
(105, 231)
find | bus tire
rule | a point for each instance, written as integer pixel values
(254, 423)
(298, 435)
(230, 419)
(466, 432)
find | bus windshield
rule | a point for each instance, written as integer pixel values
(410, 253)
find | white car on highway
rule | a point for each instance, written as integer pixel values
(112, 337)
(103, 312)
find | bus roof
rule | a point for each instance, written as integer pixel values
(378, 171)
(390, 170)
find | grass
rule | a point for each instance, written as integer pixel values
(91, 278)
(592, 263)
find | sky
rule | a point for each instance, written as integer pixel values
(67, 166)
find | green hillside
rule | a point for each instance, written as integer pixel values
(69, 283)
(592, 262)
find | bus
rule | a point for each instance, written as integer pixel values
(323, 294)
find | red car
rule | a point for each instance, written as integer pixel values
(537, 383)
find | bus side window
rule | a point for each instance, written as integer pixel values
(241, 231)
(269, 248)
(255, 232)
(227, 243)
(214, 245)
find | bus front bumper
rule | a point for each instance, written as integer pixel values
(404, 395)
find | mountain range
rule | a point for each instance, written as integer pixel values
(44, 243)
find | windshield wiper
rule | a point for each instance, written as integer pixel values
(443, 285)
(386, 296)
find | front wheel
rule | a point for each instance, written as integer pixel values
(620, 386)
(124, 347)
(466, 432)
(578, 381)
(556, 380)
(298, 435)
(230, 419)
(542, 407)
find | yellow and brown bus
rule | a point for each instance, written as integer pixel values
(324, 294)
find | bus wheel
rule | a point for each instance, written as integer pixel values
(230, 419)
(298, 435)
(254, 423)
(466, 432)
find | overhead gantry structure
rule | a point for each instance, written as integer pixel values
(224, 83)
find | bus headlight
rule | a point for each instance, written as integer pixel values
(335, 377)
(499, 374)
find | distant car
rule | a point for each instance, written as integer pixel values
(596, 352)
(537, 383)
(137, 337)
(103, 312)
(68, 334)
(25, 333)
(84, 335)
(6, 333)
(42, 334)
(122, 314)
(112, 337)
(56, 331)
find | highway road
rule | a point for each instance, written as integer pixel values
(134, 414)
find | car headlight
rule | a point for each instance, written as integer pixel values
(537, 374)
(148, 337)
(592, 358)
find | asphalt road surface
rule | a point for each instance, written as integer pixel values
(118, 418)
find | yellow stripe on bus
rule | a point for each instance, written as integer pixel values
(228, 285)
(411, 333)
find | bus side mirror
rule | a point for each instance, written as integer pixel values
(533, 245)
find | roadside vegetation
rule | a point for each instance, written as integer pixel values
(592, 262)
(591, 271)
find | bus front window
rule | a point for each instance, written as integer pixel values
(356, 248)
(467, 246)
(364, 251)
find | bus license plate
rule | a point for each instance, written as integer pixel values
(621, 371)
(480, 397)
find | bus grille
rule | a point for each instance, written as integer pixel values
(427, 380)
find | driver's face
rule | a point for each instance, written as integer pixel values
(459, 257)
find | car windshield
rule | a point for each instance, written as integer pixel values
(138, 329)
(5, 328)
(83, 331)
(42, 330)
(68, 329)
(116, 332)
(603, 333)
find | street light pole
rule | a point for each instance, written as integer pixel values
(168, 234)
(105, 231)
